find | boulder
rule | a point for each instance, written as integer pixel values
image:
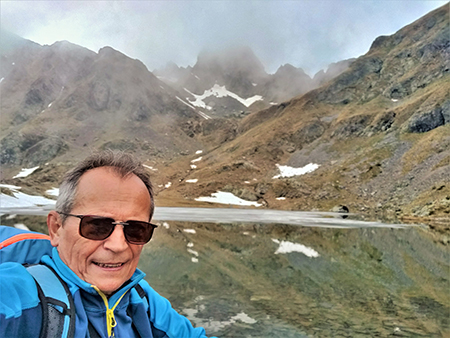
(340, 209)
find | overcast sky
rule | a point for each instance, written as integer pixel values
(305, 33)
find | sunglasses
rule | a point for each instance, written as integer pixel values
(99, 228)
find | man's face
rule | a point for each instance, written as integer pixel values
(110, 262)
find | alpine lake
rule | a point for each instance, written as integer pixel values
(306, 275)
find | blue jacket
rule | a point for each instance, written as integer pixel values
(124, 314)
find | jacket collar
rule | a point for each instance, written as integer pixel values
(74, 282)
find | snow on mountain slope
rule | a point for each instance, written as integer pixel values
(221, 91)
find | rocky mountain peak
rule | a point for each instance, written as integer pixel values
(231, 60)
(9, 42)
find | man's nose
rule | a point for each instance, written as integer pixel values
(117, 241)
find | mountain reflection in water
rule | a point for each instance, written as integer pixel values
(265, 273)
(333, 276)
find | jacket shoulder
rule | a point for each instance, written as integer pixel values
(20, 310)
(23, 246)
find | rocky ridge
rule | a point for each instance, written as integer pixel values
(240, 71)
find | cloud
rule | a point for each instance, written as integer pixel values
(307, 34)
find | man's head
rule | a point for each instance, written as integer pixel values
(106, 184)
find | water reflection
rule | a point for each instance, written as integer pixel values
(362, 282)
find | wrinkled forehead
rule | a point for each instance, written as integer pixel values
(109, 185)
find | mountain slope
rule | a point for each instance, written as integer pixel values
(63, 98)
(379, 131)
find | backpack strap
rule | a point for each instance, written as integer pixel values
(58, 319)
(155, 332)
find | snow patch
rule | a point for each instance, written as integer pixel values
(193, 166)
(166, 225)
(53, 192)
(21, 200)
(194, 260)
(168, 185)
(194, 180)
(26, 172)
(221, 91)
(190, 231)
(1, 80)
(196, 160)
(222, 197)
(21, 226)
(10, 187)
(243, 317)
(202, 114)
(280, 198)
(215, 325)
(198, 152)
(190, 245)
(187, 104)
(149, 167)
(193, 252)
(287, 247)
(286, 171)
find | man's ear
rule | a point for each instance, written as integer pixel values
(54, 224)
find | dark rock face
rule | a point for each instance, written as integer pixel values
(30, 149)
(337, 91)
(308, 134)
(353, 126)
(426, 121)
(44, 151)
(446, 111)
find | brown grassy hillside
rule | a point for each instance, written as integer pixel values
(380, 133)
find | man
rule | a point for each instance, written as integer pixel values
(98, 230)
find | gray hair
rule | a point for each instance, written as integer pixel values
(123, 164)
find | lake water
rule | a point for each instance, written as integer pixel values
(264, 273)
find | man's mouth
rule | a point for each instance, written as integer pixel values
(109, 265)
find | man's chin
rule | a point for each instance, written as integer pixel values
(109, 288)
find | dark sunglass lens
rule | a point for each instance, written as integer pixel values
(138, 232)
(96, 228)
